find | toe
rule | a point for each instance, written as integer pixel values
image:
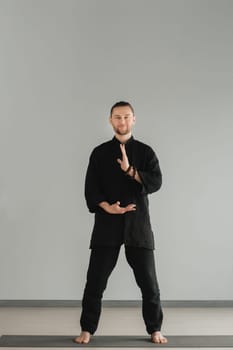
(163, 340)
(76, 340)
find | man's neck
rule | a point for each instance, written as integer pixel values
(123, 138)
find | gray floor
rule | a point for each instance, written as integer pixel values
(115, 321)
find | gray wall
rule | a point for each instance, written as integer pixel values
(63, 64)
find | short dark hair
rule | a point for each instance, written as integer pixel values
(121, 104)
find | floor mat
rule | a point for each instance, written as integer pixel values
(130, 341)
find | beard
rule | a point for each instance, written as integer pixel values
(122, 131)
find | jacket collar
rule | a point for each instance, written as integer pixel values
(115, 140)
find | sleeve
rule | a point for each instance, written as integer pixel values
(93, 193)
(151, 175)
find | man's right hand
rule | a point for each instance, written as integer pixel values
(115, 208)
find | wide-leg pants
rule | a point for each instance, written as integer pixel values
(101, 264)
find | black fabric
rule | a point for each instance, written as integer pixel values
(105, 181)
(102, 262)
(116, 341)
(143, 265)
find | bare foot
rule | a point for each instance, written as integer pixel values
(83, 338)
(157, 337)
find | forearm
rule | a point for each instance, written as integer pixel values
(137, 177)
(104, 205)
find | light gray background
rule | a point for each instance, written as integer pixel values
(63, 64)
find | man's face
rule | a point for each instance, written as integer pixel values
(122, 120)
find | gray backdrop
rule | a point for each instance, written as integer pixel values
(63, 64)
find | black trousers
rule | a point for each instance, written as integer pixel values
(102, 262)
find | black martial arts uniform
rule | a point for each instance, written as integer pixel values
(105, 181)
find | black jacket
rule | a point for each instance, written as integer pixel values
(105, 181)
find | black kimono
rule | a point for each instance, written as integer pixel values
(105, 181)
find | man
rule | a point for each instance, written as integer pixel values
(120, 174)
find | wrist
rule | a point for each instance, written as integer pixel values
(104, 205)
(131, 171)
(127, 169)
